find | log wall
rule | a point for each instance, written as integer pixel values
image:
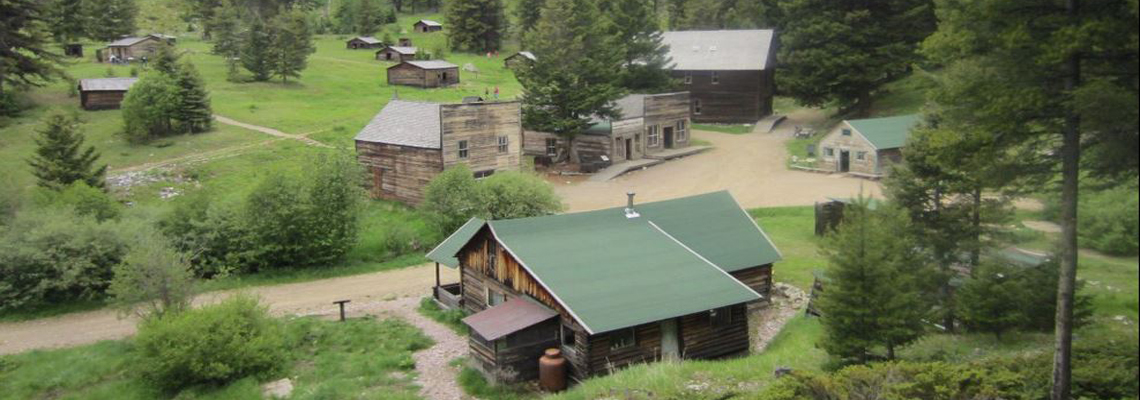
(701, 339)
(392, 55)
(758, 278)
(101, 100)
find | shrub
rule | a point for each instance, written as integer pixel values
(212, 345)
(210, 231)
(455, 196)
(518, 195)
(451, 198)
(54, 254)
(148, 108)
(1004, 296)
(84, 199)
(153, 280)
(1109, 219)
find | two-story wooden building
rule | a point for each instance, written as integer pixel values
(424, 73)
(728, 73)
(408, 143)
(865, 147)
(663, 280)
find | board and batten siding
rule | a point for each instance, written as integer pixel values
(397, 172)
(481, 125)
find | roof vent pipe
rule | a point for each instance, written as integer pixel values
(629, 211)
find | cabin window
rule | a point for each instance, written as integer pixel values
(861, 155)
(715, 78)
(719, 317)
(621, 339)
(697, 106)
(688, 78)
(504, 143)
(829, 152)
(568, 338)
(846, 132)
(681, 132)
(551, 147)
(495, 297)
(483, 174)
(652, 137)
(463, 149)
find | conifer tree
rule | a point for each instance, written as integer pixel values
(149, 108)
(871, 298)
(645, 58)
(24, 58)
(475, 25)
(165, 60)
(67, 20)
(368, 17)
(560, 96)
(111, 19)
(193, 113)
(526, 13)
(60, 158)
(291, 45)
(255, 50)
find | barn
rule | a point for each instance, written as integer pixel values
(408, 143)
(396, 53)
(427, 26)
(865, 147)
(134, 47)
(610, 288)
(518, 60)
(364, 42)
(650, 123)
(729, 73)
(103, 93)
(424, 73)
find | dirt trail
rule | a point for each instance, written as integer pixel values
(268, 131)
(750, 166)
(304, 298)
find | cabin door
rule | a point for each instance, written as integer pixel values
(628, 149)
(844, 161)
(668, 133)
(670, 343)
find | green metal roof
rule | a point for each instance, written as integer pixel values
(601, 128)
(444, 253)
(613, 272)
(885, 133)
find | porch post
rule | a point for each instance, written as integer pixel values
(437, 276)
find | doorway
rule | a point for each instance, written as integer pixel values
(844, 161)
(670, 343)
(628, 149)
(668, 133)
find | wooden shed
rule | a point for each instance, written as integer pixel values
(103, 93)
(364, 42)
(135, 47)
(519, 60)
(865, 147)
(728, 73)
(424, 73)
(408, 143)
(665, 280)
(396, 53)
(427, 26)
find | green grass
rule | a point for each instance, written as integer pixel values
(725, 128)
(451, 318)
(330, 360)
(474, 384)
(906, 95)
(792, 229)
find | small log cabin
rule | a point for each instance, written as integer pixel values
(427, 26)
(664, 280)
(103, 93)
(425, 73)
(518, 60)
(396, 53)
(364, 42)
(134, 47)
(649, 123)
(408, 143)
(728, 73)
(865, 147)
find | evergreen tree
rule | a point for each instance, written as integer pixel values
(989, 300)
(560, 96)
(1053, 85)
(203, 11)
(111, 19)
(871, 296)
(68, 21)
(256, 55)
(839, 53)
(25, 58)
(165, 60)
(527, 13)
(645, 59)
(60, 158)
(193, 113)
(291, 45)
(475, 25)
(149, 108)
(368, 18)
(225, 31)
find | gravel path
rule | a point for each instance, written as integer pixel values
(766, 322)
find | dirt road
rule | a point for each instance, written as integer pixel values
(751, 167)
(314, 297)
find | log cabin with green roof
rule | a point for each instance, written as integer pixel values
(865, 147)
(663, 280)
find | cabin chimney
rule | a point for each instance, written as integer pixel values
(629, 211)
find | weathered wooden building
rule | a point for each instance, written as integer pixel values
(728, 73)
(865, 147)
(364, 42)
(103, 93)
(610, 288)
(396, 53)
(427, 26)
(649, 123)
(518, 60)
(424, 73)
(135, 47)
(409, 143)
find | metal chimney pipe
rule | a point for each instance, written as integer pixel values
(629, 211)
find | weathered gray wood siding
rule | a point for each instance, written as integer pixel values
(398, 172)
(481, 125)
(738, 97)
(101, 100)
(145, 47)
(854, 144)
(392, 55)
(670, 110)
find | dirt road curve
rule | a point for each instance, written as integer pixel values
(296, 298)
(751, 167)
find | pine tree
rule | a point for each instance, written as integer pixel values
(193, 113)
(871, 297)
(368, 18)
(562, 97)
(68, 21)
(291, 45)
(475, 25)
(225, 31)
(165, 60)
(645, 58)
(111, 19)
(527, 13)
(26, 60)
(256, 56)
(60, 158)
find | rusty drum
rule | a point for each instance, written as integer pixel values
(552, 371)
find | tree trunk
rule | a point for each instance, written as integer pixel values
(976, 252)
(1070, 175)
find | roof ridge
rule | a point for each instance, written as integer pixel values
(710, 263)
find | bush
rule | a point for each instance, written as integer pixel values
(148, 108)
(1004, 296)
(84, 199)
(455, 196)
(212, 345)
(451, 198)
(55, 255)
(1108, 220)
(518, 195)
(153, 280)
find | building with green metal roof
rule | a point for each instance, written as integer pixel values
(866, 146)
(660, 279)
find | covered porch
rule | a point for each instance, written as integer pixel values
(450, 295)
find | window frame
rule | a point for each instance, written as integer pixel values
(623, 344)
(463, 149)
(829, 151)
(551, 147)
(682, 130)
(845, 131)
(688, 78)
(720, 317)
(562, 336)
(715, 78)
(504, 144)
(491, 295)
(697, 107)
(653, 135)
(861, 155)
